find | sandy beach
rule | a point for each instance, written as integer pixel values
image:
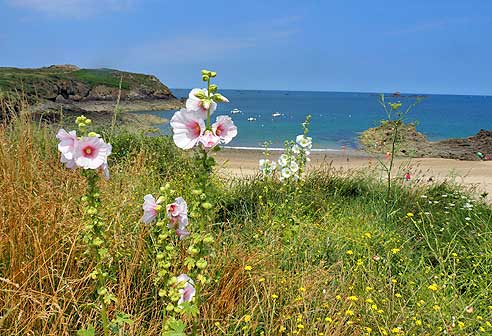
(473, 174)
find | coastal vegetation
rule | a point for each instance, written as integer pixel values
(266, 255)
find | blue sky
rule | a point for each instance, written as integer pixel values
(409, 46)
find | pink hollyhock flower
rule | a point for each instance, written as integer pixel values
(67, 143)
(150, 208)
(209, 139)
(177, 212)
(187, 128)
(188, 292)
(91, 152)
(224, 128)
(69, 163)
(195, 104)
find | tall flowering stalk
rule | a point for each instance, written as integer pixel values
(180, 277)
(292, 163)
(89, 152)
(396, 116)
(193, 128)
(181, 259)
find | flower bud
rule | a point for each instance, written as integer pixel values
(205, 72)
(158, 207)
(196, 191)
(91, 211)
(213, 88)
(218, 98)
(88, 121)
(82, 125)
(206, 104)
(206, 205)
(202, 279)
(205, 78)
(193, 250)
(161, 199)
(200, 94)
(172, 281)
(212, 74)
(162, 292)
(208, 239)
(201, 264)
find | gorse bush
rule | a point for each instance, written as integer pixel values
(313, 255)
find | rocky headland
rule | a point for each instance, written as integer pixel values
(412, 143)
(68, 90)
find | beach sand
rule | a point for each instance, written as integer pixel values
(473, 174)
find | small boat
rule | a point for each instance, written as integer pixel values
(235, 111)
(276, 114)
(251, 119)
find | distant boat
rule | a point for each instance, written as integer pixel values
(276, 114)
(235, 111)
(251, 119)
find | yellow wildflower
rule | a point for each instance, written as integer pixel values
(248, 268)
(350, 252)
(247, 318)
(433, 287)
(348, 312)
(353, 298)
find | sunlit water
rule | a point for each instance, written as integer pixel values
(339, 117)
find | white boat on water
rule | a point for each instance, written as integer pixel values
(235, 111)
(251, 119)
(276, 114)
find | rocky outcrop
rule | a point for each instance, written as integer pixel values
(85, 88)
(412, 143)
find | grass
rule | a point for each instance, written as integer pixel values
(313, 258)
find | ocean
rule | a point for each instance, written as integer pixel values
(339, 117)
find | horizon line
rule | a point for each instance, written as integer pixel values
(403, 94)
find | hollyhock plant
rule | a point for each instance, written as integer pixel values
(150, 208)
(67, 143)
(188, 292)
(198, 101)
(209, 139)
(224, 128)
(91, 152)
(187, 128)
(267, 167)
(304, 141)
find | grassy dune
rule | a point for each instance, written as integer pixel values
(312, 258)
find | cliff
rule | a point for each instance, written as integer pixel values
(72, 88)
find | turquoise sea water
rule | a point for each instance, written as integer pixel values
(338, 117)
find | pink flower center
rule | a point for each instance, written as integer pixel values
(89, 151)
(219, 130)
(195, 129)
